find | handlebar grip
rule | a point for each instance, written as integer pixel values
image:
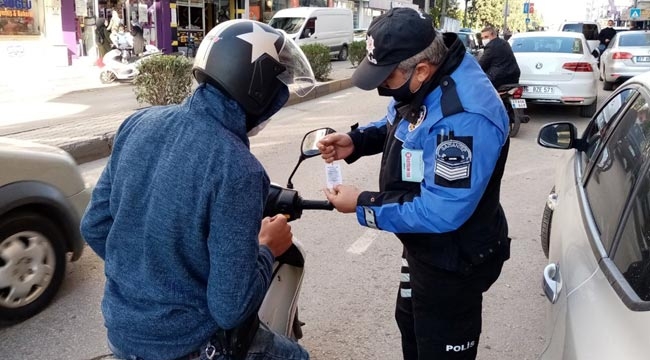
(317, 205)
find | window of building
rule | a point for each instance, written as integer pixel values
(19, 17)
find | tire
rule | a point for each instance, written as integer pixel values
(107, 77)
(514, 120)
(343, 53)
(545, 233)
(588, 111)
(32, 261)
(608, 85)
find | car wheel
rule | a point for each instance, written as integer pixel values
(343, 54)
(107, 77)
(545, 234)
(32, 264)
(606, 84)
(588, 111)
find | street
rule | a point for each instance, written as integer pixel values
(352, 273)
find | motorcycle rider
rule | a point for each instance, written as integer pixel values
(177, 213)
(498, 61)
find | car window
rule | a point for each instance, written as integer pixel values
(632, 256)
(289, 25)
(617, 168)
(599, 127)
(547, 44)
(634, 40)
(590, 31)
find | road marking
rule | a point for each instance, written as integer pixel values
(363, 242)
(268, 143)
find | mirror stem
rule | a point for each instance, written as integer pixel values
(289, 183)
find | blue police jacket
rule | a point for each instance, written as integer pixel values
(440, 176)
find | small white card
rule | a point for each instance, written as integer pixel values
(333, 175)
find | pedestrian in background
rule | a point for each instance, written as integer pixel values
(103, 39)
(606, 35)
(444, 144)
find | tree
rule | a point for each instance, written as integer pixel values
(488, 12)
(453, 11)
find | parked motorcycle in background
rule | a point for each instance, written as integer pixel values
(121, 64)
(511, 96)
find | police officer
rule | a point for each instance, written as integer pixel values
(444, 143)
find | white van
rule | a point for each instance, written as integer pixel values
(324, 25)
(590, 29)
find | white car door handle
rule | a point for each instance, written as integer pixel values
(552, 282)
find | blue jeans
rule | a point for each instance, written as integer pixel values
(266, 345)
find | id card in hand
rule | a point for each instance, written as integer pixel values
(333, 175)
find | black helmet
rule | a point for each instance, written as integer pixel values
(252, 63)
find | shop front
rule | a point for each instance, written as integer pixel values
(31, 31)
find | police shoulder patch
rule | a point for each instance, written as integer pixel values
(454, 162)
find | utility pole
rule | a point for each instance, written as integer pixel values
(465, 15)
(443, 12)
(426, 6)
(505, 16)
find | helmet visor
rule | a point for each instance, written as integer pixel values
(298, 75)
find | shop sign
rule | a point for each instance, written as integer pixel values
(16, 4)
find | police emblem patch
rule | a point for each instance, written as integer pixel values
(423, 114)
(453, 160)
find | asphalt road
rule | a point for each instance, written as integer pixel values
(352, 273)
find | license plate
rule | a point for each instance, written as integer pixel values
(541, 89)
(643, 59)
(518, 103)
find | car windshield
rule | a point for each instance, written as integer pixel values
(464, 38)
(290, 25)
(547, 44)
(590, 31)
(634, 40)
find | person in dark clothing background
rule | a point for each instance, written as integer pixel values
(498, 60)
(606, 35)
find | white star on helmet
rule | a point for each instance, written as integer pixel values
(262, 42)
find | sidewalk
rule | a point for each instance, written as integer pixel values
(91, 140)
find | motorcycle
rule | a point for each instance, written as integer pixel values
(279, 309)
(511, 96)
(120, 64)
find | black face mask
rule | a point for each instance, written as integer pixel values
(401, 94)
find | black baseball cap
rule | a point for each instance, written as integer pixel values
(392, 38)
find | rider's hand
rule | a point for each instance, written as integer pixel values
(335, 146)
(343, 197)
(276, 234)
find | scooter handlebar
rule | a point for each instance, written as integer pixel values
(317, 205)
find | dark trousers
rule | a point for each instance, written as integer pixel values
(439, 312)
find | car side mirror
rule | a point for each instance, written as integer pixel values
(595, 53)
(559, 135)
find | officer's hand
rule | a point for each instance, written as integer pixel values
(335, 146)
(276, 234)
(343, 197)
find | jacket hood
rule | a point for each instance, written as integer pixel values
(209, 101)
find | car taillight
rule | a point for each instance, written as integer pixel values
(621, 55)
(578, 67)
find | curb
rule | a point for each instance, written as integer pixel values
(92, 149)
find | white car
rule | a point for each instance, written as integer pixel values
(557, 68)
(627, 55)
(590, 29)
(42, 199)
(596, 232)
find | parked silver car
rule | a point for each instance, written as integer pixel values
(596, 232)
(627, 55)
(42, 198)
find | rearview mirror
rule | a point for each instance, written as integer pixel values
(560, 135)
(309, 145)
(309, 148)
